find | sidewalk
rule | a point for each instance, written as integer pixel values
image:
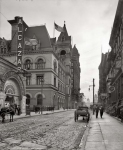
(36, 114)
(103, 134)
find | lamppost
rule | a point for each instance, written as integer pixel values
(42, 82)
(1, 85)
(93, 94)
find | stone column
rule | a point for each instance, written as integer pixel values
(23, 104)
(2, 99)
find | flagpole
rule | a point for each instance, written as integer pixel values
(54, 29)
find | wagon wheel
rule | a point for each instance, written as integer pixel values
(75, 117)
(88, 118)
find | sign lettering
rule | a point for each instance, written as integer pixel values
(19, 53)
(20, 43)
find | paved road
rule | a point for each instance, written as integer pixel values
(53, 132)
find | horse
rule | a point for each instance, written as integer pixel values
(7, 110)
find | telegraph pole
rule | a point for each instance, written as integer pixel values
(93, 96)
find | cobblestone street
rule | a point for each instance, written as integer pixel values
(56, 131)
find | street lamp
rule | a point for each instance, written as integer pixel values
(93, 94)
(42, 82)
(1, 85)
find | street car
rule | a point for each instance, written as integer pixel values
(82, 111)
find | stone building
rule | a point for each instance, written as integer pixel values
(114, 76)
(47, 61)
(103, 71)
(75, 69)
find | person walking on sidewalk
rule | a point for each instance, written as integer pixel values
(101, 111)
(97, 110)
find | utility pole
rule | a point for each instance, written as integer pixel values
(93, 93)
(93, 96)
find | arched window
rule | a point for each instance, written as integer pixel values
(28, 64)
(27, 99)
(39, 64)
(39, 99)
(63, 52)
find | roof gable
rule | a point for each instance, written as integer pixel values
(41, 34)
(64, 35)
(75, 51)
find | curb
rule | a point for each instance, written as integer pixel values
(28, 116)
(114, 117)
(85, 135)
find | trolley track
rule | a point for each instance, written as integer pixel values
(44, 127)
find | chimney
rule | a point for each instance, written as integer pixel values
(14, 34)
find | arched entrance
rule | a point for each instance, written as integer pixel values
(9, 98)
(13, 87)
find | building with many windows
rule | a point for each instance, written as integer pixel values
(113, 61)
(75, 79)
(47, 61)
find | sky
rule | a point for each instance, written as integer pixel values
(88, 22)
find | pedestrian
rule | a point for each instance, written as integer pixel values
(97, 110)
(18, 109)
(101, 111)
(12, 112)
(15, 106)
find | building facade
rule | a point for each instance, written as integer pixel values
(75, 69)
(47, 62)
(114, 74)
(12, 85)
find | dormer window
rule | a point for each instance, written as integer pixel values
(63, 38)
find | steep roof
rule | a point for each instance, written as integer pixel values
(75, 51)
(103, 59)
(41, 34)
(65, 34)
(53, 40)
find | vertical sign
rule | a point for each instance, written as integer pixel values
(20, 43)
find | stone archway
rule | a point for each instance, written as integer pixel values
(12, 75)
(14, 88)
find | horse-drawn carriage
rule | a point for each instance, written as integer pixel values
(5, 111)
